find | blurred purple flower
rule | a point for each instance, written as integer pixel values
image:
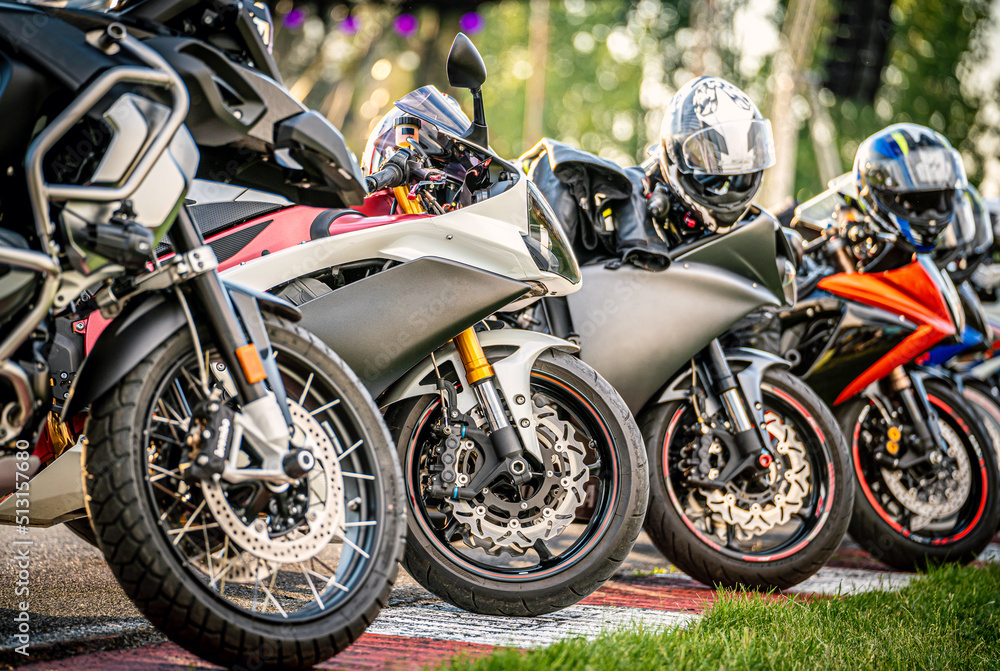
(350, 25)
(471, 23)
(406, 25)
(295, 18)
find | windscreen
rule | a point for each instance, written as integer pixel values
(430, 105)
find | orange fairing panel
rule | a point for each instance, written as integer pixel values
(909, 292)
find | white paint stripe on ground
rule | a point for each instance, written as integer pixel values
(445, 622)
(991, 553)
(840, 581)
(845, 581)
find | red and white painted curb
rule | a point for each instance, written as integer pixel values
(417, 629)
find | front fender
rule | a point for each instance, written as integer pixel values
(749, 366)
(513, 375)
(143, 325)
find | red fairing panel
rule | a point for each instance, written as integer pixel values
(909, 292)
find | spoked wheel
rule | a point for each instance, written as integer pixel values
(280, 575)
(943, 508)
(519, 550)
(761, 531)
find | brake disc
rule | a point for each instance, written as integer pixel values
(496, 522)
(787, 483)
(324, 510)
(938, 495)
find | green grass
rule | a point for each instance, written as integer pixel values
(947, 619)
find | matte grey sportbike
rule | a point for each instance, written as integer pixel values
(749, 480)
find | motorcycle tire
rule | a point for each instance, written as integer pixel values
(980, 396)
(715, 551)
(257, 603)
(883, 525)
(570, 396)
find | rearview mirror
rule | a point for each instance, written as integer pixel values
(466, 68)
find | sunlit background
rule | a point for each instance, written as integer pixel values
(598, 73)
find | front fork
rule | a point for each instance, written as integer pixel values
(913, 396)
(748, 439)
(269, 421)
(503, 436)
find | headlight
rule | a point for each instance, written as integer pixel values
(788, 276)
(546, 240)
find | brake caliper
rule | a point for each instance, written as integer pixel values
(210, 438)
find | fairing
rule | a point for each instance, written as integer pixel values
(914, 295)
(638, 328)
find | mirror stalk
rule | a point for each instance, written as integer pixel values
(479, 133)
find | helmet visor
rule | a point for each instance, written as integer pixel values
(731, 148)
(919, 207)
(918, 169)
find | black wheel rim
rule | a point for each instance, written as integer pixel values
(892, 511)
(558, 554)
(779, 540)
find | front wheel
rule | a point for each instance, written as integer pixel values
(249, 573)
(944, 508)
(765, 531)
(524, 550)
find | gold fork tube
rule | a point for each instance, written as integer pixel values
(477, 368)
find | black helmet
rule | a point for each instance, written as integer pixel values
(907, 176)
(715, 146)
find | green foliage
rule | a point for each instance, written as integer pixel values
(920, 81)
(949, 619)
(612, 66)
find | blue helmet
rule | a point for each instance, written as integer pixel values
(907, 176)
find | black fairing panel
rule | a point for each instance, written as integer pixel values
(224, 103)
(317, 144)
(748, 250)
(838, 341)
(388, 322)
(23, 90)
(638, 328)
(975, 315)
(145, 322)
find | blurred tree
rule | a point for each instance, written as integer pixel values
(610, 68)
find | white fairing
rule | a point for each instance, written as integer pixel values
(56, 493)
(484, 235)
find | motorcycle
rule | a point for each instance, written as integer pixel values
(238, 477)
(750, 486)
(962, 253)
(923, 462)
(500, 432)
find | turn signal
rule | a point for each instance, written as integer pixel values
(253, 367)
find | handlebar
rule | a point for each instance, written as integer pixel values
(392, 174)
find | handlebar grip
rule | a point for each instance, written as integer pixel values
(388, 177)
(393, 173)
